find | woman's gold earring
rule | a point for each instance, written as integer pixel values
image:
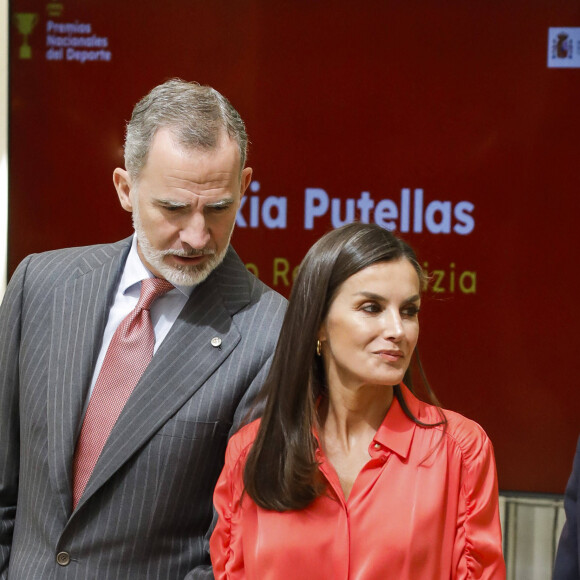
(318, 348)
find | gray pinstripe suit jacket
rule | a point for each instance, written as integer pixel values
(147, 506)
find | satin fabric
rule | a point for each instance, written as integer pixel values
(425, 506)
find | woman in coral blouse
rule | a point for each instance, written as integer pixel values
(349, 475)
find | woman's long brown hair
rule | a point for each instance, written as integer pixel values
(281, 471)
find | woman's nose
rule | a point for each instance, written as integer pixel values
(393, 325)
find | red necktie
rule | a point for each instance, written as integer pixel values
(128, 355)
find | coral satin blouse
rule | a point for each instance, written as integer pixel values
(422, 508)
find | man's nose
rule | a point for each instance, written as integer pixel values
(195, 232)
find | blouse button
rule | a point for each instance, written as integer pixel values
(377, 445)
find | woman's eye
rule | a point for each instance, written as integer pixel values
(370, 307)
(411, 311)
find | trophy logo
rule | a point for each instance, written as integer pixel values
(25, 22)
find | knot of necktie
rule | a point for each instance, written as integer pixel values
(151, 289)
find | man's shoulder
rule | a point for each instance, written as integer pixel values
(66, 258)
(66, 263)
(576, 468)
(261, 291)
(98, 251)
(240, 285)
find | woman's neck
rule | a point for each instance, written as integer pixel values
(349, 421)
(349, 415)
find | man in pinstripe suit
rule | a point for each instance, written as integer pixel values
(146, 509)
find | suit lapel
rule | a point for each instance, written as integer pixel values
(80, 310)
(182, 364)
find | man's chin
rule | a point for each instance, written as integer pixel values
(188, 275)
(185, 277)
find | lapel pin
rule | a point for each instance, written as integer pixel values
(216, 341)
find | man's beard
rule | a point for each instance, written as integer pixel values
(176, 274)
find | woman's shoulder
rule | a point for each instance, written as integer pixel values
(461, 433)
(466, 436)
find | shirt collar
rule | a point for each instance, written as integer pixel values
(396, 430)
(135, 271)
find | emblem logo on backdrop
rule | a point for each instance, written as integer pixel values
(564, 48)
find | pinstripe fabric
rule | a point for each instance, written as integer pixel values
(147, 505)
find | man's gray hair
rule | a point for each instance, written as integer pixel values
(197, 116)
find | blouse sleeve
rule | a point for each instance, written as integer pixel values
(225, 543)
(478, 546)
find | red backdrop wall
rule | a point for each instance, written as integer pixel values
(455, 123)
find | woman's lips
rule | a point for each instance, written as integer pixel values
(390, 355)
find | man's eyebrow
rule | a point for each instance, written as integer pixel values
(221, 203)
(171, 203)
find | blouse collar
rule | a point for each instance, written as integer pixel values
(396, 431)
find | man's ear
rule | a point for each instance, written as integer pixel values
(122, 183)
(245, 180)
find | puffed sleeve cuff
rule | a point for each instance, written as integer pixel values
(478, 542)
